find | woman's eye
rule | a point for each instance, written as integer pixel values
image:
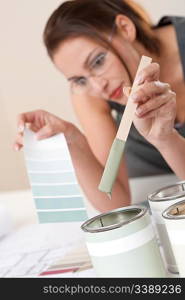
(99, 60)
(80, 81)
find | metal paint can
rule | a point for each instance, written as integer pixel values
(159, 201)
(122, 243)
(174, 217)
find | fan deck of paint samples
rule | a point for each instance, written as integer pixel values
(56, 192)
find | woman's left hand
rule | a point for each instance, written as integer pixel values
(156, 106)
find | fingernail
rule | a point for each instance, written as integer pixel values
(21, 128)
(16, 147)
(126, 91)
(139, 80)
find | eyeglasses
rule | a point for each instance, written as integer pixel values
(99, 66)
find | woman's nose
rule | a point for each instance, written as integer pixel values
(99, 84)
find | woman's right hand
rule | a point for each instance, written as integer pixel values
(44, 124)
(156, 107)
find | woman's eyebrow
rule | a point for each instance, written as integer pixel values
(89, 57)
(85, 64)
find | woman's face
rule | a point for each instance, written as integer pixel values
(92, 69)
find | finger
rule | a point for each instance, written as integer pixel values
(28, 117)
(17, 147)
(45, 132)
(150, 73)
(167, 110)
(149, 90)
(33, 127)
(23, 119)
(153, 104)
(20, 125)
(18, 144)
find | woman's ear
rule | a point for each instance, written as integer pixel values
(126, 28)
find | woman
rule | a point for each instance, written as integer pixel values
(97, 45)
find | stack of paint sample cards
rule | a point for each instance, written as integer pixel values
(75, 261)
(56, 192)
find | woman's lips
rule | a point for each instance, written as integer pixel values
(118, 93)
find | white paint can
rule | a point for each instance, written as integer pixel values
(159, 201)
(174, 217)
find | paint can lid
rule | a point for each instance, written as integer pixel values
(175, 211)
(114, 219)
(169, 192)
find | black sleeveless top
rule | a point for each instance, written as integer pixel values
(142, 158)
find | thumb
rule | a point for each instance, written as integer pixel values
(126, 91)
(44, 133)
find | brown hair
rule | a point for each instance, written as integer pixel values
(90, 18)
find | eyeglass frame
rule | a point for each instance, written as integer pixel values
(109, 41)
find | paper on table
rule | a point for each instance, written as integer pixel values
(56, 192)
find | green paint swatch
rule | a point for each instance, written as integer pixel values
(56, 193)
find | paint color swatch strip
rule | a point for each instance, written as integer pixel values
(56, 192)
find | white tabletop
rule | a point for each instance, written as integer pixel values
(20, 210)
